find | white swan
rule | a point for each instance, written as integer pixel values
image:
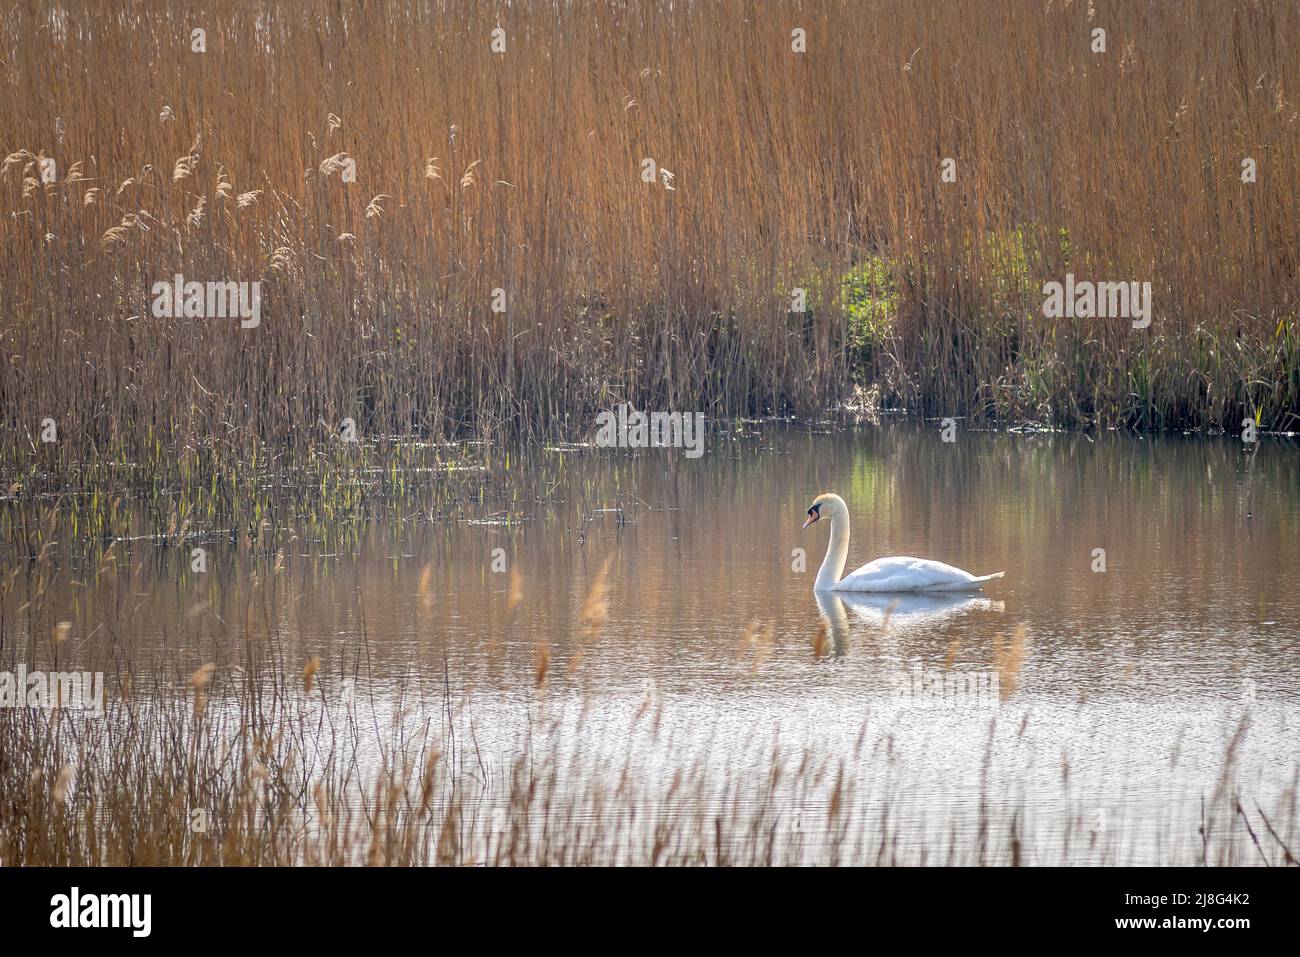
(897, 574)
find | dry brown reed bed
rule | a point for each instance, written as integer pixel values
(521, 171)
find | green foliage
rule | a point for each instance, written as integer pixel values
(869, 298)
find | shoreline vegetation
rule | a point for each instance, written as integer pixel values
(450, 234)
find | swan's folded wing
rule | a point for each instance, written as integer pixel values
(902, 573)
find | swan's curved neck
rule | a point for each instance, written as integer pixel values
(837, 552)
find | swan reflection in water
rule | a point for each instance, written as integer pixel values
(900, 613)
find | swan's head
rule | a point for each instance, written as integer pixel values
(826, 505)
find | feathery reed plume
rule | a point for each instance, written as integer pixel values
(468, 178)
(62, 784)
(334, 164)
(309, 674)
(199, 681)
(194, 218)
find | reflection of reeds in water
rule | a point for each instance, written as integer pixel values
(541, 663)
(596, 608)
(516, 593)
(1008, 656)
(426, 588)
(821, 643)
(275, 764)
(757, 642)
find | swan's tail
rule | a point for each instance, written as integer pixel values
(975, 583)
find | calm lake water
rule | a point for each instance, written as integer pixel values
(714, 654)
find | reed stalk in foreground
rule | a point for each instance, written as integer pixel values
(263, 756)
(280, 776)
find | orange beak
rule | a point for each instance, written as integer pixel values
(812, 518)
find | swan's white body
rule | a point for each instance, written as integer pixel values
(895, 574)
